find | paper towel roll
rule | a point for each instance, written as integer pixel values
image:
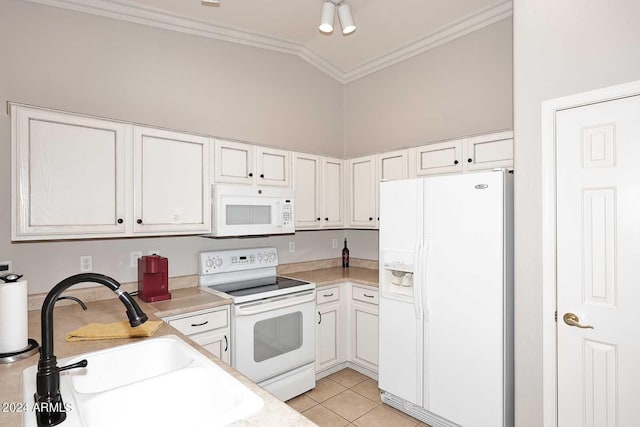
(14, 323)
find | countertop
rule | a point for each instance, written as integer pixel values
(333, 275)
(68, 318)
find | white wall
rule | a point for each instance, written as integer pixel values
(560, 48)
(461, 88)
(83, 63)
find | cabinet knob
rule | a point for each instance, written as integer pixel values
(120, 220)
(318, 219)
(455, 162)
(370, 218)
(326, 219)
(261, 175)
(139, 221)
(469, 160)
(250, 174)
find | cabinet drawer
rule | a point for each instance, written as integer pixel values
(365, 295)
(201, 322)
(327, 295)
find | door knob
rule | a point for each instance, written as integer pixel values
(572, 320)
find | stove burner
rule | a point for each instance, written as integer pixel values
(258, 286)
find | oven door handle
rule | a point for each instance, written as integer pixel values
(274, 304)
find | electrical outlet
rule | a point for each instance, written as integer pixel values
(5, 267)
(86, 263)
(334, 243)
(153, 252)
(292, 246)
(134, 258)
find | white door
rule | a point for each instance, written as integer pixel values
(327, 333)
(234, 162)
(273, 166)
(598, 236)
(443, 157)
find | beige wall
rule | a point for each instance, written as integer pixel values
(76, 62)
(560, 48)
(458, 89)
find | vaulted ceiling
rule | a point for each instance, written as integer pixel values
(388, 31)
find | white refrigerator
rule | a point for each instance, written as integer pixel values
(446, 298)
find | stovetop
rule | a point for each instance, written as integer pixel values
(267, 287)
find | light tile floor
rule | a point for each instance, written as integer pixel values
(348, 398)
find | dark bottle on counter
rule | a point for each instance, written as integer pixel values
(345, 255)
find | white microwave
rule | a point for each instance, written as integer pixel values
(247, 210)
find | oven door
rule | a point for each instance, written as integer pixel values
(273, 336)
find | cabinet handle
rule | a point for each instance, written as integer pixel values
(318, 219)
(226, 344)
(261, 175)
(320, 314)
(250, 174)
(368, 296)
(469, 160)
(328, 295)
(326, 219)
(455, 162)
(200, 324)
(139, 221)
(370, 218)
(120, 220)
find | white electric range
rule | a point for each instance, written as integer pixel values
(272, 318)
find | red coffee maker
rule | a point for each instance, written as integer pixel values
(153, 278)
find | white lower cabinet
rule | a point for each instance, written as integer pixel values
(209, 328)
(364, 328)
(328, 331)
(347, 326)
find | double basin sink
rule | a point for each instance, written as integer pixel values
(159, 381)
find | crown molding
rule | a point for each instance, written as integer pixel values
(155, 17)
(466, 25)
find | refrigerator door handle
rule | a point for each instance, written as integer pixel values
(417, 283)
(424, 257)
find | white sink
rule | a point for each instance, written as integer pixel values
(160, 382)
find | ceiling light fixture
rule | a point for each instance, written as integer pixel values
(210, 2)
(344, 13)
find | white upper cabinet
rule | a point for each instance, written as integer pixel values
(234, 162)
(171, 182)
(393, 165)
(489, 151)
(240, 163)
(319, 191)
(68, 175)
(443, 157)
(273, 166)
(362, 192)
(333, 183)
(80, 177)
(307, 185)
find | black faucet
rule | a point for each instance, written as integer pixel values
(49, 406)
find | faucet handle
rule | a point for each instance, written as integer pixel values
(81, 364)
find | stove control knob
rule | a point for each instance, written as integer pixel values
(272, 256)
(259, 257)
(218, 262)
(209, 262)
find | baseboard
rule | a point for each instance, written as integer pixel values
(340, 366)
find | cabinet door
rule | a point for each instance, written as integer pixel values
(68, 175)
(362, 192)
(332, 192)
(443, 157)
(307, 188)
(215, 343)
(234, 162)
(489, 151)
(273, 167)
(171, 182)
(393, 165)
(327, 336)
(364, 335)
